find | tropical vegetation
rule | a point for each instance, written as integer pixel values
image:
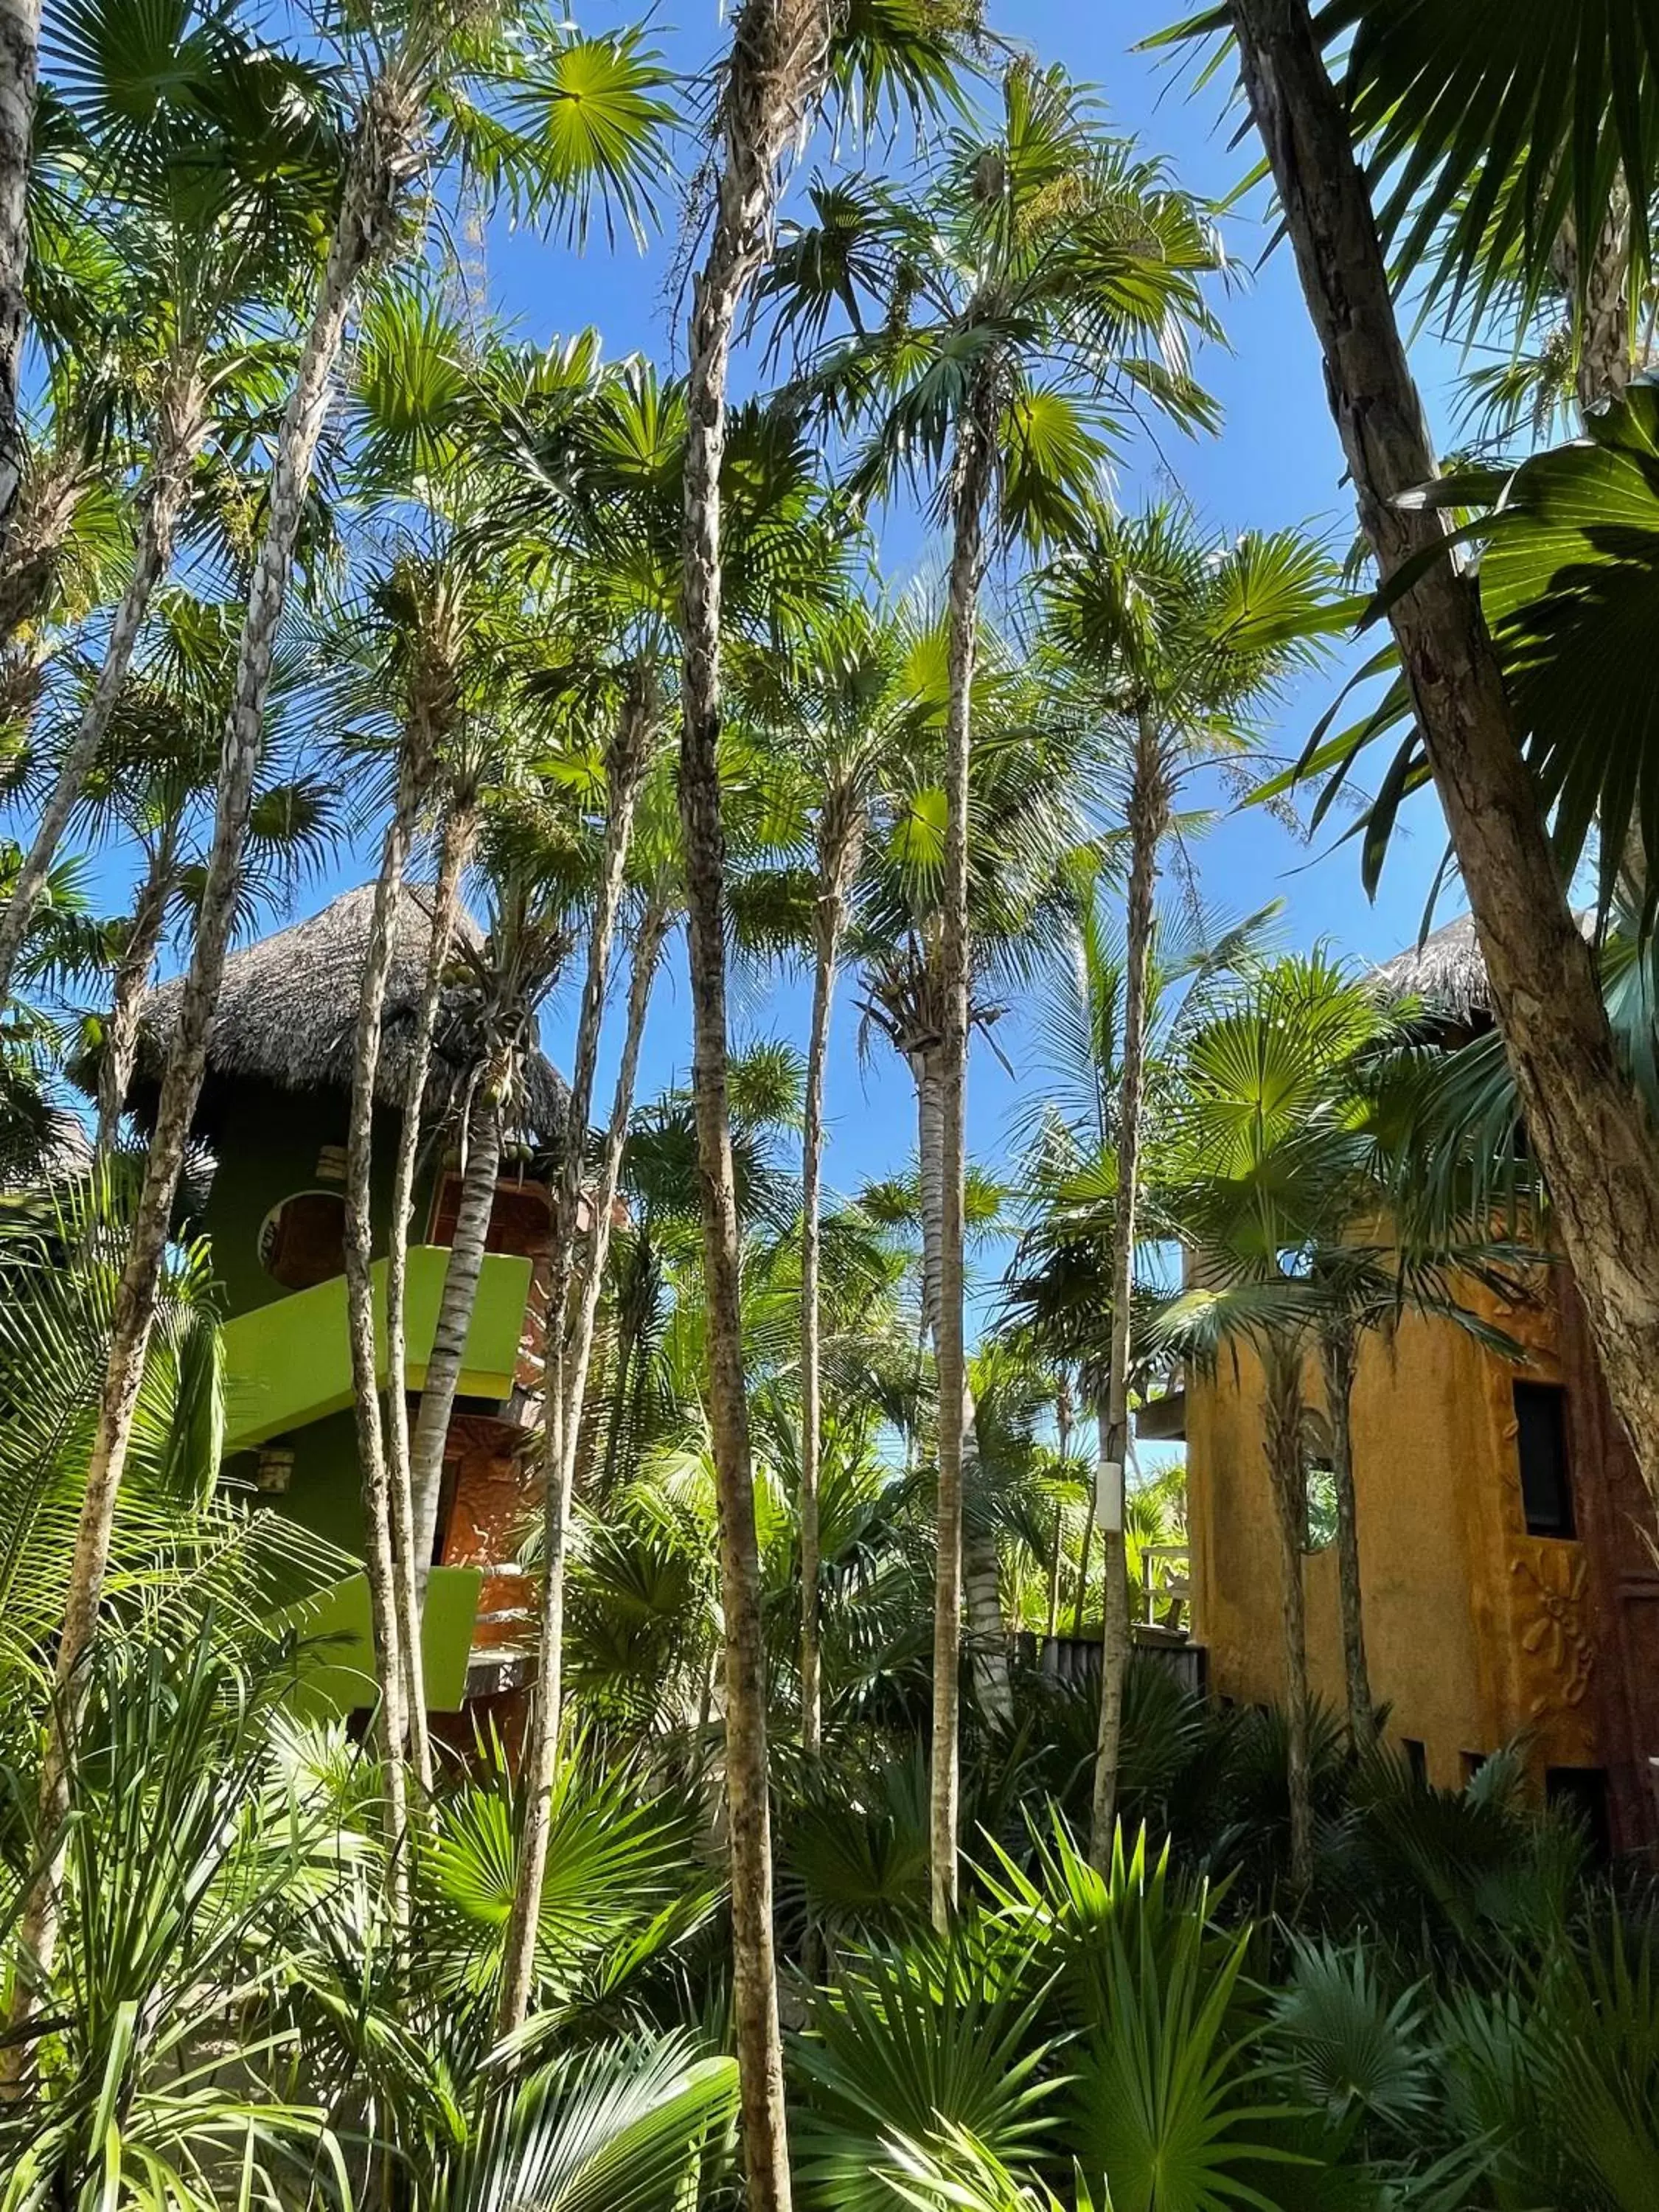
(860, 1839)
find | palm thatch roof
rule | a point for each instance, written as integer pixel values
(288, 1013)
(1448, 970)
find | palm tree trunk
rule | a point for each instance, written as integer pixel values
(391, 1677)
(132, 974)
(1057, 1555)
(20, 43)
(379, 160)
(647, 952)
(1586, 1125)
(779, 51)
(972, 472)
(629, 755)
(975, 1566)
(1114, 1647)
(1288, 1483)
(1148, 809)
(151, 556)
(460, 833)
(1079, 1612)
(1337, 1357)
(840, 837)
(460, 1292)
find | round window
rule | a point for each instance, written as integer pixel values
(302, 1240)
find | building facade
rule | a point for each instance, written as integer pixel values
(1509, 1580)
(272, 1125)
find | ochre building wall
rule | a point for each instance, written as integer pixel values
(1476, 1633)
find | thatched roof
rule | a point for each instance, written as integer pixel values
(287, 1012)
(1448, 971)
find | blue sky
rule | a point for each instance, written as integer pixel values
(1276, 463)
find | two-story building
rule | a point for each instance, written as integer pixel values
(272, 1125)
(1510, 1582)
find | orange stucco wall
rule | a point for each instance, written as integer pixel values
(1475, 1631)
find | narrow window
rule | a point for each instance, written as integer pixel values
(1318, 1505)
(1472, 1762)
(1540, 1445)
(1417, 1760)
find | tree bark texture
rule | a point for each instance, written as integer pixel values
(1287, 1481)
(381, 158)
(840, 840)
(467, 1245)
(1589, 1133)
(1149, 815)
(395, 1720)
(778, 50)
(152, 555)
(460, 831)
(1337, 1359)
(628, 757)
(20, 44)
(132, 974)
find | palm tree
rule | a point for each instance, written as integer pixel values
(1591, 1135)
(1263, 1154)
(784, 54)
(607, 145)
(20, 46)
(1311, 1212)
(210, 239)
(1500, 188)
(1178, 643)
(847, 716)
(1028, 812)
(156, 769)
(1047, 280)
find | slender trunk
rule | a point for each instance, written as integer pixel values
(132, 974)
(394, 1719)
(460, 1292)
(1288, 1483)
(380, 157)
(1057, 1564)
(1149, 810)
(1337, 1357)
(648, 950)
(778, 55)
(1598, 298)
(629, 755)
(1586, 1125)
(20, 42)
(973, 1559)
(460, 833)
(972, 472)
(1114, 1650)
(839, 837)
(1057, 1556)
(151, 556)
(1079, 1612)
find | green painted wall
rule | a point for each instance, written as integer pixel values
(266, 1141)
(336, 1668)
(288, 1363)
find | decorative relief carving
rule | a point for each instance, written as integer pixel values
(1555, 1630)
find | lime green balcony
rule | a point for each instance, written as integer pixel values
(334, 1672)
(290, 1364)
